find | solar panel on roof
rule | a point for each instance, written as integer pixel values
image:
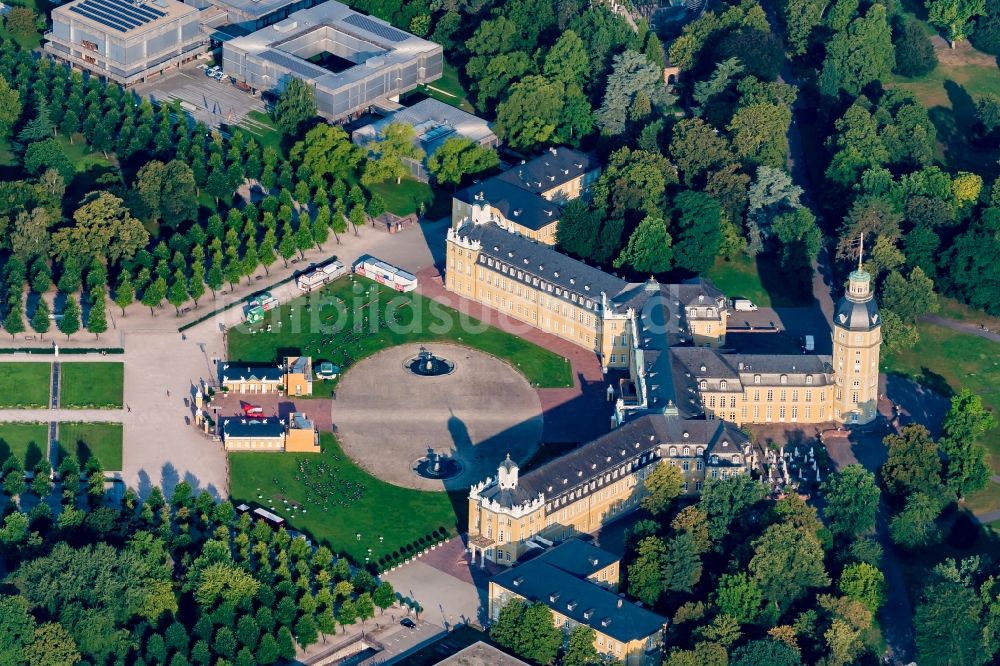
(109, 14)
(123, 10)
(376, 28)
(102, 21)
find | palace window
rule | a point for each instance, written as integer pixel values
(808, 412)
(783, 395)
(781, 413)
(795, 396)
(711, 401)
(770, 395)
(756, 396)
(756, 379)
(704, 385)
(795, 413)
(783, 379)
(722, 385)
(701, 465)
(686, 466)
(809, 380)
(732, 402)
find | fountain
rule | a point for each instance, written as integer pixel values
(437, 465)
(426, 364)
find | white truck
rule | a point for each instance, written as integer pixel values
(808, 343)
(743, 305)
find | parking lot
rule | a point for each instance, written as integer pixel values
(214, 102)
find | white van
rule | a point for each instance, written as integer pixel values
(743, 305)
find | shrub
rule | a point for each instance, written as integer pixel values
(986, 36)
(914, 51)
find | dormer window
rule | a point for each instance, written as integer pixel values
(783, 379)
(722, 385)
(704, 385)
(756, 379)
(809, 380)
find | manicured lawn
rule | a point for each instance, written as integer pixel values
(952, 309)
(354, 500)
(448, 89)
(739, 279)
(101, 440)
(947, 360)
(323, 326)
(27, 441)
(406, 197)
(950, 92)
(81, 155)
(25, 385)
(91, 385)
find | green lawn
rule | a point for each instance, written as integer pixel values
(946, 360)
(261, 127)
(27, 441)
(739, 279)
(950, 92)
(91, 385)
(952, 309)
(448, 89)
(83, 440)
(81, 155)
(406, 197)
(355, 501)
(25, 385)
(323, 324)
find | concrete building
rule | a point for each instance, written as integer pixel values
(126, 42)
(576, 581)
(250, 15)
(351, 60)
(577, 493)
(299, 435)
(434, 123)
(528, 198)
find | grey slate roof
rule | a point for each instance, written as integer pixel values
(516, 204)
(577, 557)
(237, 427)
(551, 169)
(536, 260)
(857, 316)
(235, 372)
(585, 602)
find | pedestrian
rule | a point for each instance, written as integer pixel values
(128, 407)
(168, 393)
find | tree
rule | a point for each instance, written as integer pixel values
(759, 51)
(728, 501)
(955, 16)
(306, 632)
(852, 501)
(97, 318)
(864, 583)
(632, 75)
(859, 55)
(30, 236)
(662, 486)
(966, 469)
(124, 292)
(155, 292)
(914, 50)
(648, 249)
(699, 229)
(70, 322)
(759, 133)
(915, 526)
(10, 106)
(346, 614)
(327, 151)
(22, 21)
(645, 573)
(224, 643)
(286, 644)
(364, 606)
(17, 629)
(697, 148)
(580, 650)
(909, 297)
(947, 624)
(787, 562)
(801, 17)
(40, 322)
(913, 464)
(296, 106)
(397, 143)
(103, 228)
(739, 596)
(681, 564)
(765, 652)
(52, 645)
(531, 113)
(458, 157)
(13, 321)
(48, 154)
(267, 651)
(38, 128)
(538, 638)
(384, 595)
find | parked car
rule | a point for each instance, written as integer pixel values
(408, 623)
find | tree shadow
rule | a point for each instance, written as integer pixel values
(32, 456)
(785, 290)
(5, 450)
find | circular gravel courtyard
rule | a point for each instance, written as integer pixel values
(387, 418)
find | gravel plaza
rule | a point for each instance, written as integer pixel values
(387, 418)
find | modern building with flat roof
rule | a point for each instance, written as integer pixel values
(256, 14)
(125, 41)
(434, 123)
(350, 60)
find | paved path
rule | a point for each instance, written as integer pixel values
(962, 327)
